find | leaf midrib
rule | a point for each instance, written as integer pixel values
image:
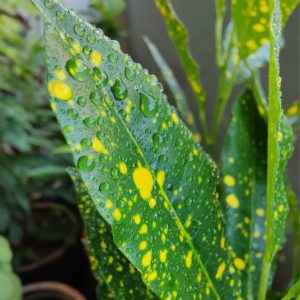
(178, 221)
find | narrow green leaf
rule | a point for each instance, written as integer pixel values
(139, 162)
(280, 147)
(244, 167)
(252, 22)
(109, 264)
(178, 93)
(180, 37)
(294, 292)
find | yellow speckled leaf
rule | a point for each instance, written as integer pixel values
(145, 174)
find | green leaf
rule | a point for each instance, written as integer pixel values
(109, 264)
(252, 22)
(109, 9)
(178, 93)
(294, 292)
(280, 147)
(139, 162)
(244, 180)
(180, 37)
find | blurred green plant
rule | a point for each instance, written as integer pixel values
(10, 284)
(28, 131)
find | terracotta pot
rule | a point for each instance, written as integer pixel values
(51, 290)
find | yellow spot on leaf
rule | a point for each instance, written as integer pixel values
(232, 201)
(160, 178)
(163, 255)
(103, 245)
(292, 110)
(222, 242)
(110, 260)
(146, 261)
(123, 168)
(119, 268)
(229, 180)
(188, 221)
(279, 136)
(98, 146)
(251, 45)
(109, 204)
(259, 27)
(60, 74)
(239, 263)
(144, 229)
(143, 245)
(117, 214)
(152, 276)
(96, 58)
(260, 212)
(174, 118)
(143, 181)
(109, 278)
(137, 219)
(152, 202)
(60, 90)
(188, 259)
(220, 270)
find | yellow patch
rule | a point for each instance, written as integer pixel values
(239, 263)
(117, 214)
(143, 181)
(292, 110)
(232, 201)
(109, 278)
(220, 270)
(96, 58)
(279, 136)
(110, 260)
(144, 229)
(137, 219)
(256, 234)
(160, 177)
(188, 221)
(98, 146)
(123, 168)
(103, 245)
(60, 90)
(152, 202)
(109, 204)
(163, 255)
(174, 118)
(259, 27)
(152, 276)
(190, 119)
(281, 208)
(260, 212)
(222, 242)
(119, 268)
(60, 74)
(229, 180)
(188, 259)
(146, 261)
(251, 45)
(143, 245)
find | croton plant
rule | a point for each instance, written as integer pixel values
(164, 220)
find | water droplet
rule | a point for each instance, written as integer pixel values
(89, 122)
(148, 105)
(130, 74)
(100, 76)
(49, 3)
(157, 140)
(81, 101)
(79, 29)
(179, 143)
(162, 158)
(115, 173)
(86, 143)
(95, 98)
(72, 114)
(113, 57)
(90, 39)
(60, 14)
(87, 50)
(86, 163)
(77, 69)
(104, 187)
(119, 90)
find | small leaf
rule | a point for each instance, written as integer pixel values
(294, 292)
(139, 163)
(107, 261)
(252, 22)
(178, 93)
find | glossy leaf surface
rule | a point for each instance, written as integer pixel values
(244, 167)
(252, 22)
(109, 264)
(139, 162)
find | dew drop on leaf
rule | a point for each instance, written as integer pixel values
(87, 50)
(79, 29)
(90, 39)
(104, 187)
(86, 143)
(100, 77)
(60, 14)
(157, 140)
(86, 163)
(81, 101)
(89, 122)
(130, 74)
(113, 57)
(77, 69)
(95, 98)
(119, 90)
(148, 105)
(72, 114)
